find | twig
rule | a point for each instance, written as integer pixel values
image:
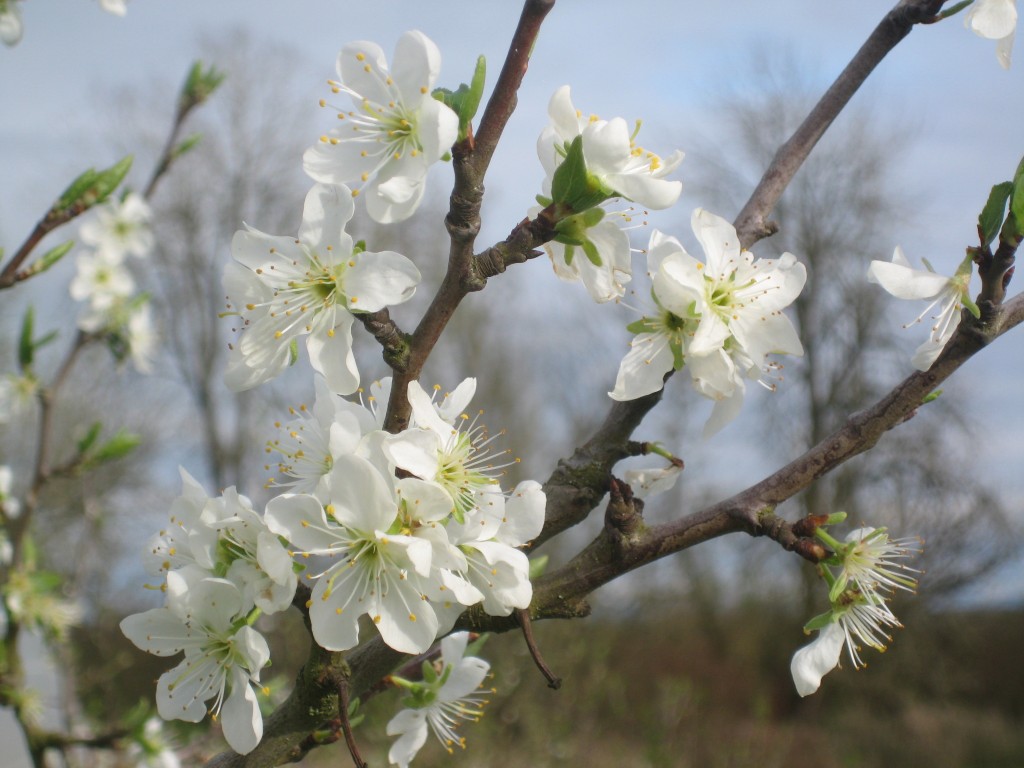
(523, 616)
(752, 222)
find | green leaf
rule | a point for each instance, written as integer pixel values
(89, 439)
(187, 144)
(992, 214)
(76, 189)
(51, 257)
(571, 176)
(119, 446)
(471, 102)
(1017, 200)
(26, 349)
(107, 181)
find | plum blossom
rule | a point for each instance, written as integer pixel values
(862, 618)
(396, 131)
(456, 457)
(720, 318)
(375, 571)
(309, 443)
(593, 246)
(120, 228)
(949, 294)
(205, 618)
(227, 538)
(283, 288)
(870, 570)
(101, 279)
(449, 694)
(995, 20)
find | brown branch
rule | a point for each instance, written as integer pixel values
(470, 160)
(752, 223)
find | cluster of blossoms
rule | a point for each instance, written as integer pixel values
(720, 318)
(222, 567)
(869, 569)
(592, 244)
(120, 229)
(411, 553)
(408, 529)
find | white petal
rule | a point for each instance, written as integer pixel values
(328, 208)
(642, 371)
(412, 725)
(719, 240)
(240, 715)
(814, 661)
(331, 355)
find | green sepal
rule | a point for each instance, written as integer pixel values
(643, 325)
(834, 519)
(474, 648)
(119, 446)
(359, 247)
(538, 565)
(591, 251)
(819, 622)
(991, 217)
(89, 439)
(678, 357)
(26, 349)
(837, 588)
(429, 673)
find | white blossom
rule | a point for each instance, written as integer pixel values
(283, 288)
(204, 618)
(396, 131)
(120, 228)
(602, 257)
(440, 704)
(995, 20)
(720, 318)
(374, 571)
(949, 294)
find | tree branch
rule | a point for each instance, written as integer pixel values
(752, 223)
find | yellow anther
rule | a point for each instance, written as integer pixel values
(322, 103)
(360, 57)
